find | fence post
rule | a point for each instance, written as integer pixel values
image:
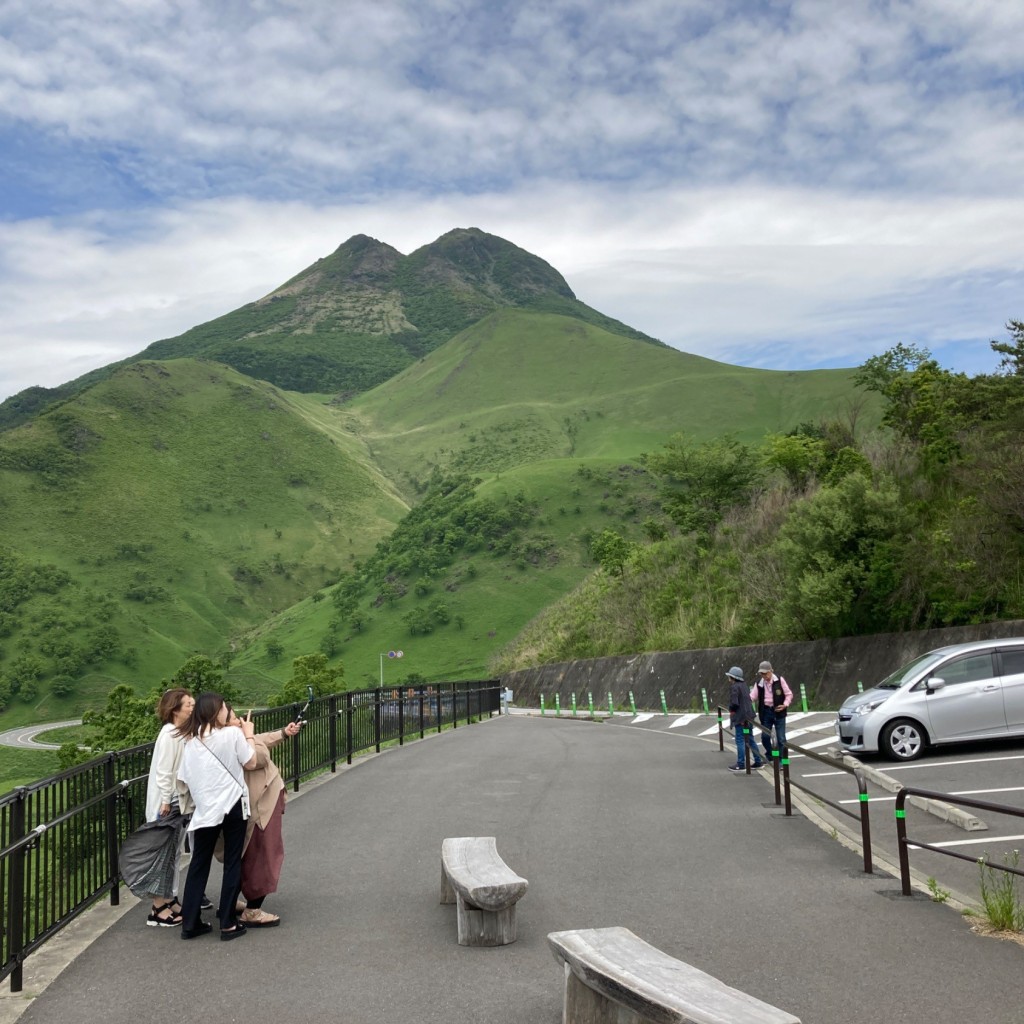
(332, 731)
(419, 690)
(110, 815)
(349, 714)
(16, 891)
(721, 729)
(401, 718)
(378, 712)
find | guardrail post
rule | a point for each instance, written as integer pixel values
(16, 891)
(901, 840)
(785, 782)
(865, 820)
(777, 774)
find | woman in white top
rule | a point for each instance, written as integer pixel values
(163, 792)
(212, 765)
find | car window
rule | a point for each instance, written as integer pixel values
(1012, 662)
(968, 669)
(905, 672)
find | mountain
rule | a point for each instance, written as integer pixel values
(172, 506)
(357, 317)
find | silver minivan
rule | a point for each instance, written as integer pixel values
(971, 691)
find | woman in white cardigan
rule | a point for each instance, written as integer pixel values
(164, 791)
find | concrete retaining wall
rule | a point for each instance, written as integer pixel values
(829, 669)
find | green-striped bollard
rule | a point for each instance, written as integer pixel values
(860, 686)
(803, 697)
(704, 698)
(574, 705)
(590, 703)
(542, 703)
(611, 705)
(632, 703)
(664, 706)
(558, 704)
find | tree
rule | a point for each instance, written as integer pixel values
(309, 670)
(198, 675)
(702, 481)
(125, 721)
(1013, 351)
(611, 551)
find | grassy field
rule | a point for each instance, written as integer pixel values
(195, 510)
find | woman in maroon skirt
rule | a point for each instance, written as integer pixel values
(263, 854)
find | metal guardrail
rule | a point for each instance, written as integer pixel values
(60, 836)
(904, 843)
(784, 785)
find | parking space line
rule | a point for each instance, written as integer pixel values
(948, 764)
(972, 842)
(641, 718)
(958, 792)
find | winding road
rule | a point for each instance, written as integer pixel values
(24, 737)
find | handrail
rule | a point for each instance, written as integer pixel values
(862, 790)
(903, 842)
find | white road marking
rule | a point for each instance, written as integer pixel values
(989, 840)
(684, 720)
(641, 718)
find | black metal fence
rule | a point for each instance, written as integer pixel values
(59, 837)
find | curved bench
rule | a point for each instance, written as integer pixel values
(612, 975)
(484, 888)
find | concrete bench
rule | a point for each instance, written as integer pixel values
(613, 977)
(484, 889)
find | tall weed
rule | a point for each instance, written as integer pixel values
(999, 893)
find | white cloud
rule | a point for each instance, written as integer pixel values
(784, 183)
(730, 275)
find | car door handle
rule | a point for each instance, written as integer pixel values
(987, 689)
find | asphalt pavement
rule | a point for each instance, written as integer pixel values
(639, 827)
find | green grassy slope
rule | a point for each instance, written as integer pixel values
(556, 410)
(186, 502)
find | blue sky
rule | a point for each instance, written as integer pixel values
(786, 185)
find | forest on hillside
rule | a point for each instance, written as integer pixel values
(824, 531)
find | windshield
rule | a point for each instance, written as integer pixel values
(901, 675)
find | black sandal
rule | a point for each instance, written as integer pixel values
(155, 920)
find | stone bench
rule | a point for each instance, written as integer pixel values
(484, 889)
(613, 977)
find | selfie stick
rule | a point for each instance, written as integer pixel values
(301, 714)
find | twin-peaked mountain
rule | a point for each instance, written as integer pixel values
(359, 316)
(386, 452)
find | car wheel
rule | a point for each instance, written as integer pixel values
(903, 740)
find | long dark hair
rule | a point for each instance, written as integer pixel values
(204, 714)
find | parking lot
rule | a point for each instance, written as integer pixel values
(990, 772)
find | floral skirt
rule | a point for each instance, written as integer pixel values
(264, 856)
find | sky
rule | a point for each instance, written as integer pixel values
(787, 185)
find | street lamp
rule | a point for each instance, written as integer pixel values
(390, 654)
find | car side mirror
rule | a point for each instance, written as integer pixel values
(935, 683)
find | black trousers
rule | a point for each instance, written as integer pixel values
(203, 842)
